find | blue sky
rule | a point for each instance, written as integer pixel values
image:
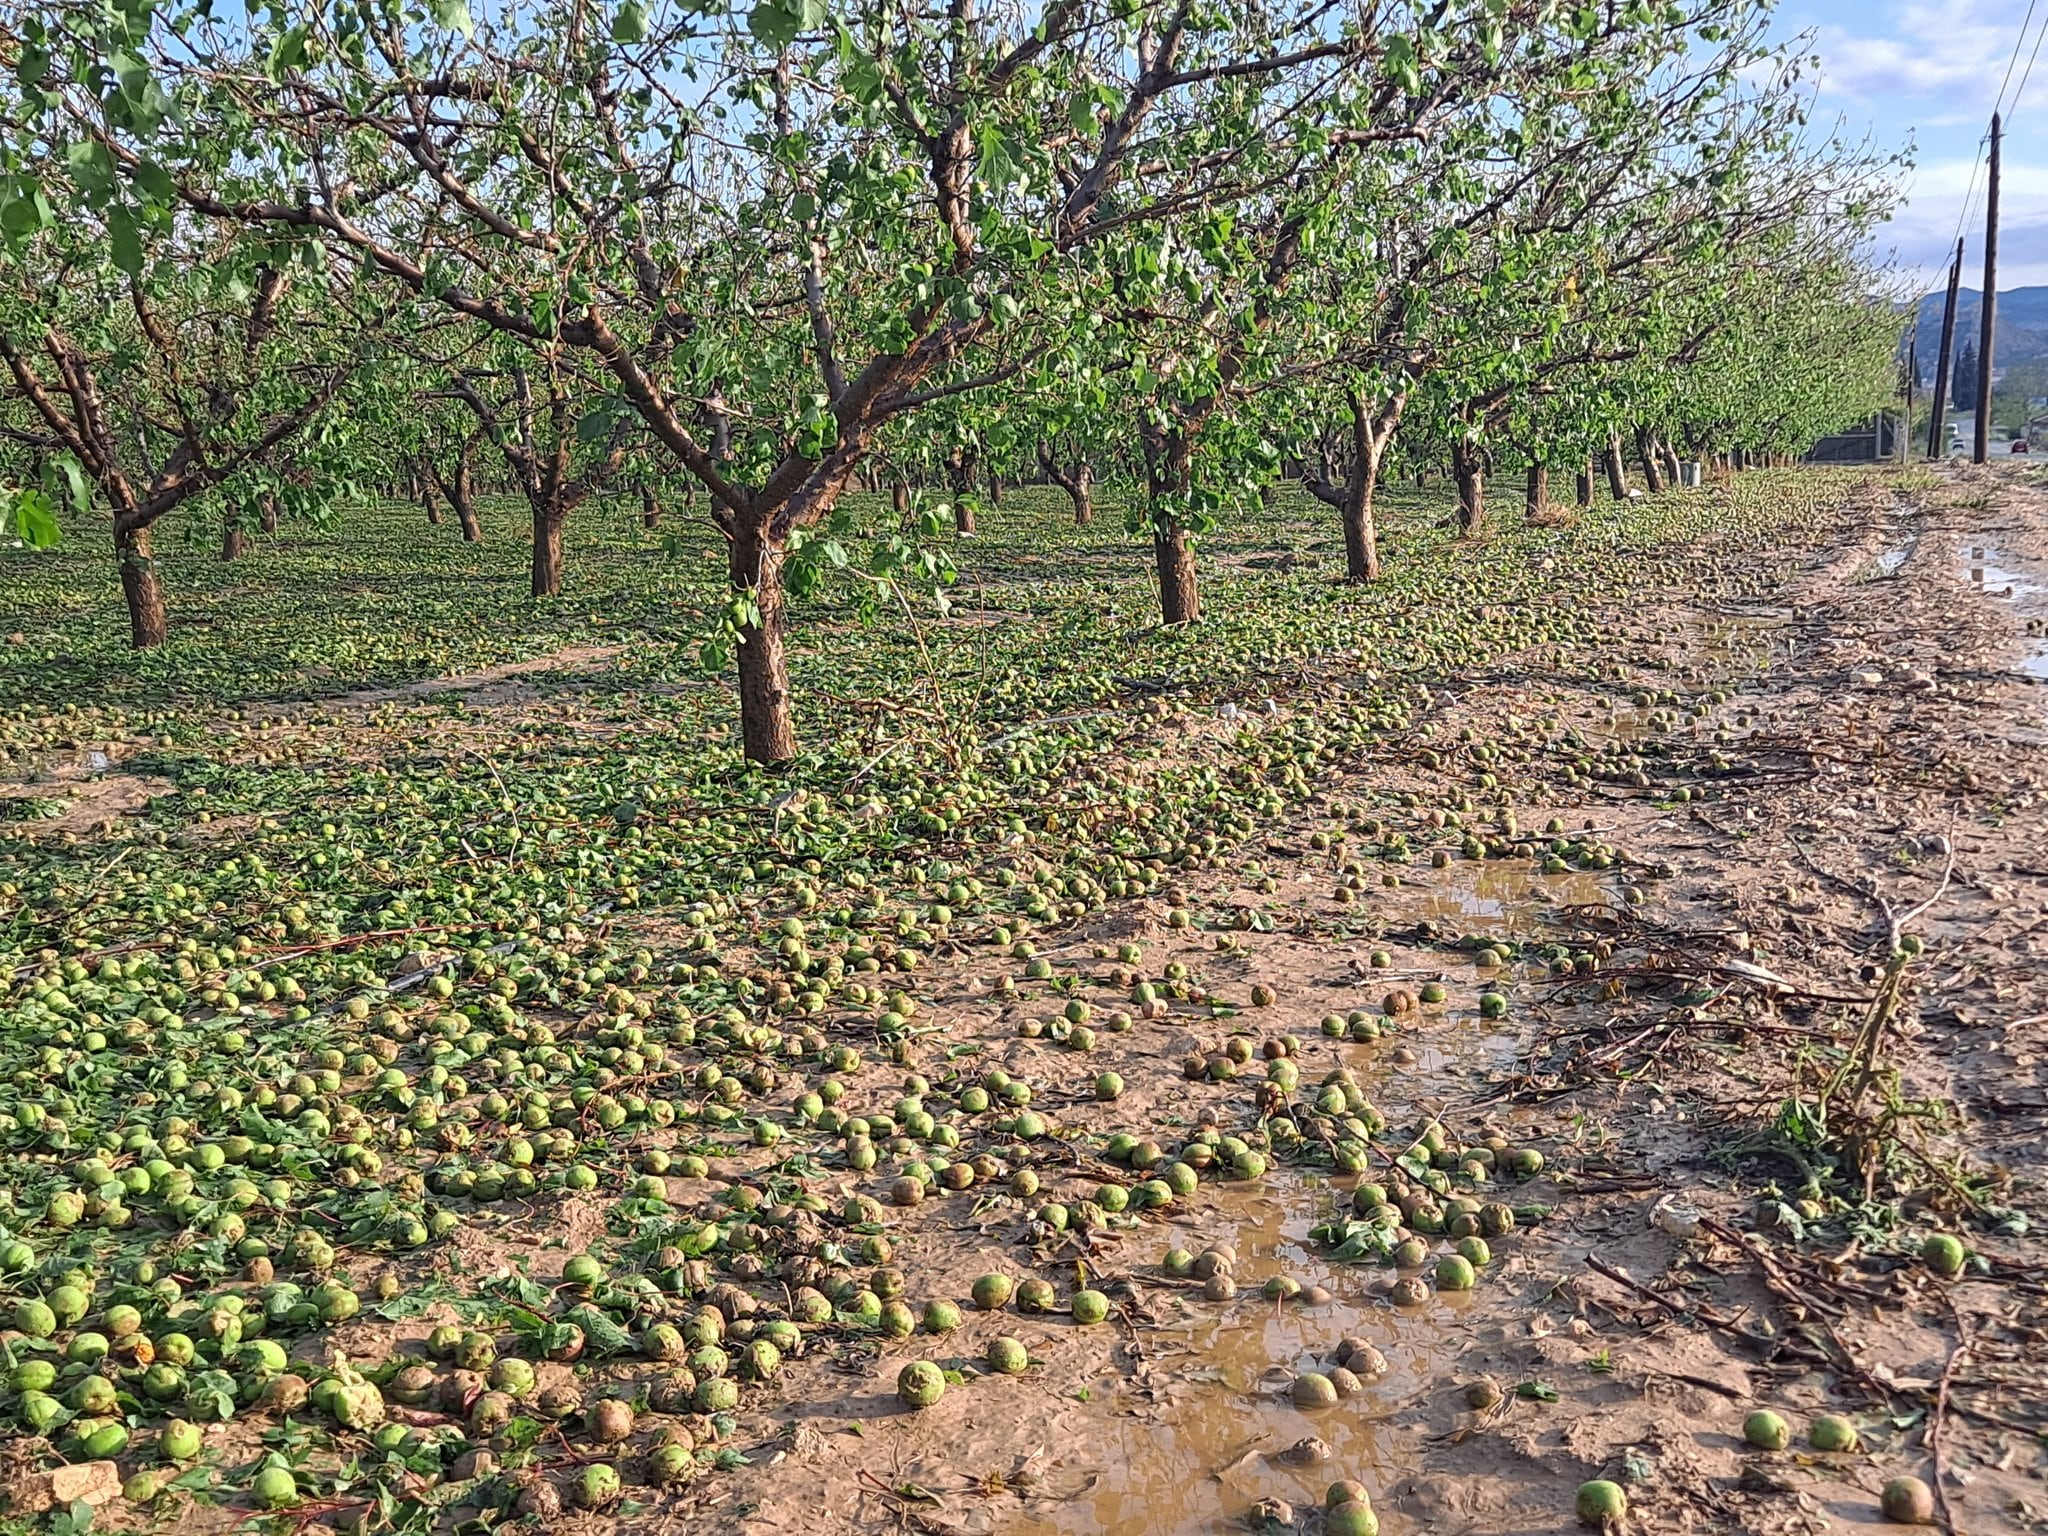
(1928, 73)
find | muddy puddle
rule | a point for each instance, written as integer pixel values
(1992, 572)
(1209, 1430)
(1508, 896)
(1206, 1429)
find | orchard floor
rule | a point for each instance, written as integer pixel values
(1787, 755)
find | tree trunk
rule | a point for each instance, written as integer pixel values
(233, 542)
(269, 513)
(1585, 485)
(548, 517)
(1180, 601)
(1082, 490)
(462, 492)
(1369, 440)
(1536, 491)
(995, 490)
(899, 497)
(1617, 471)
(433, 507)
(1670, 461)
(1469, 467)
(1653, 467)
(1361, 534)
(149, 625)
(650, 508)
(767, 729)
(960, 475)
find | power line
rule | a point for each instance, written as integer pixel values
(2028, 73)
(2018, 42)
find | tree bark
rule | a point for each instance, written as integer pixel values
(767, 728)
(1536, 490)
(233, 542)
(1617, 471)
(1082, 491)
(269, 513)
(899, 497)
(462, 493)
(960, 475)
(1370, 437)
(995, 490)
(650, 508)
(1079, 485)
(1180, 600)
(1653, 467)
(1585, 485)
(149, 624)
(549, 516)
(1468, 464)
(433, 507)
(1670, 461)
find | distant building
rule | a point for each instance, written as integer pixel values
(1875, 439)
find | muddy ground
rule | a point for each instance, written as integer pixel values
(1751, 1117)
(1886, 705)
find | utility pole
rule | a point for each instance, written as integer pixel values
(1942, 381)
(1912, 381)
(1989, 315)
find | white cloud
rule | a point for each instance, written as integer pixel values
(1928, 50)
(1924, 231)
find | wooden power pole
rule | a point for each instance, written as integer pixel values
(1988, 317)
(1912, 383)
(1945, 357)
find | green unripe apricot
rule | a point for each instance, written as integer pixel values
(1601, 1502)
(1767, 1431)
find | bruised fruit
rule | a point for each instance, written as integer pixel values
(920, 1384)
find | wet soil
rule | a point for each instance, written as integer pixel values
(1792, 774)
(1882, 701)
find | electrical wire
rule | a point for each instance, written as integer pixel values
(2028, 73)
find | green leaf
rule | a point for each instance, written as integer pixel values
(124, 241)
(288, 53)
(35, 521)
(453, 16)
(629, 23)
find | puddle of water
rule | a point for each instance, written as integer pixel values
(1509, 896)
(1990, 572)
(1159, 1460)
(1167, 1455)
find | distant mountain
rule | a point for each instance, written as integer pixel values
(2022, 326)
